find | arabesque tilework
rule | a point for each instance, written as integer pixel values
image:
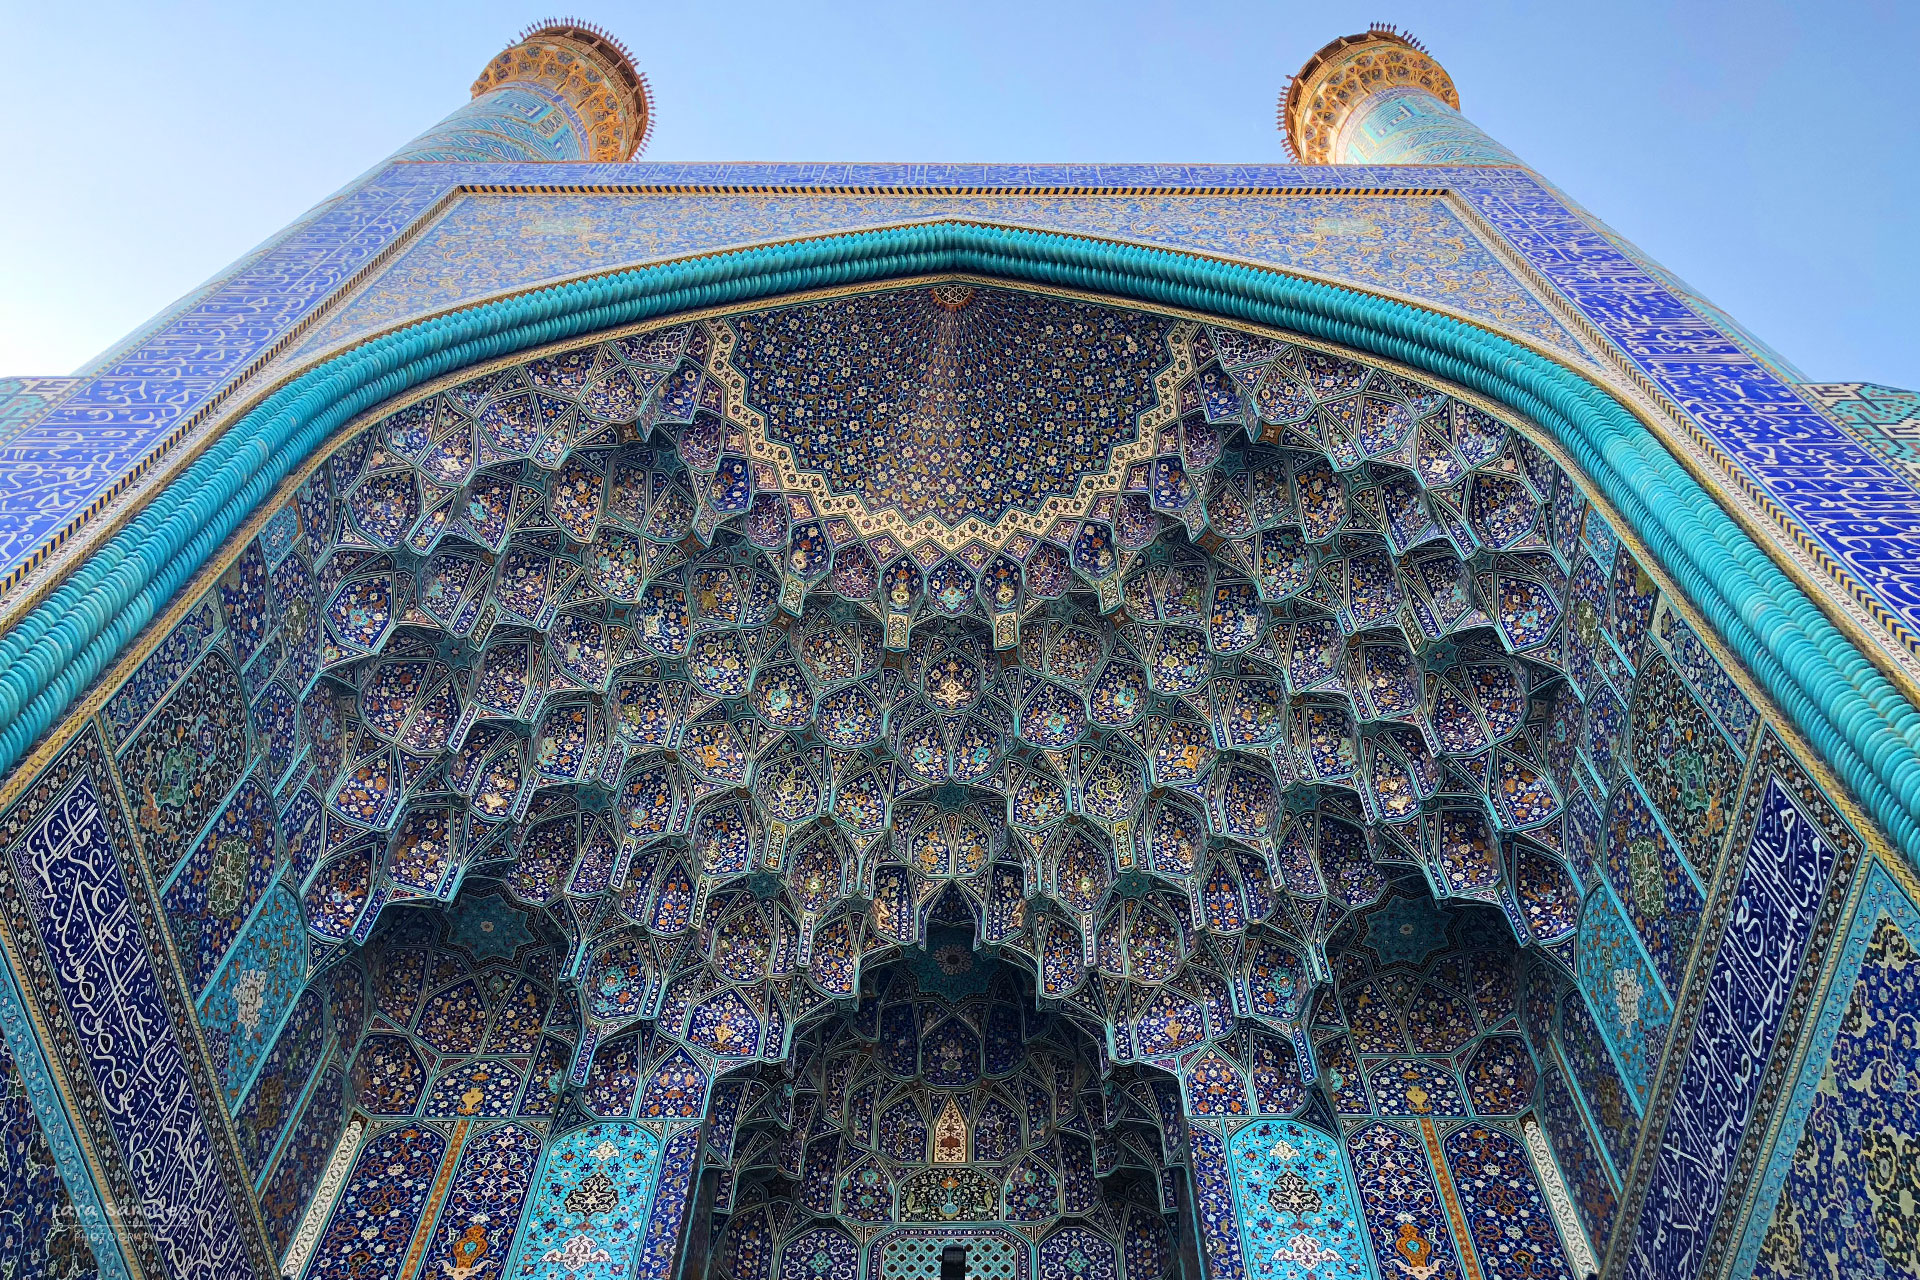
(1838, 1190)
(759, 717)
(66, 886)
(588, 1210)
(1727, 393)
(1795, 848)
(1296, 1208)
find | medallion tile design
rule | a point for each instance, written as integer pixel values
(182, 765)
(588, 1213)
(1687, 768)
(1661, 897)
(1597, 1080)
(1628, 1002)
(220, 882)
(242, 1009)
(1297, 1215)
(274, 1098)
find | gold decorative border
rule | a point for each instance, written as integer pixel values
(931, 530)
(1856, 611)
(220, 561)
(1450, 1195)
(280, 363)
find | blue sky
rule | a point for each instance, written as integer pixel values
(1764, 151)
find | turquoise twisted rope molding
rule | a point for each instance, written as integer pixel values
(1851, 714)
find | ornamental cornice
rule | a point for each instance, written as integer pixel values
(1335, 81)
(589, 70)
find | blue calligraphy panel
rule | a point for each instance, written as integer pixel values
(74, 890)
(1772, 916)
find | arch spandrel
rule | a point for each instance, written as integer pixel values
(1125, 744)
(1159, 764)
(1436, 259)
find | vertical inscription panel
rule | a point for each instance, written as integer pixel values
(72, 891)
(1750, 1009)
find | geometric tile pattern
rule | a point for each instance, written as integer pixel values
(877, 685)
(1885, 419)
(730, 683)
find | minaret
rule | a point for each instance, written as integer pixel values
(1380, 98)
(564, 90)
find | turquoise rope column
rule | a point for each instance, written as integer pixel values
(1852, 715)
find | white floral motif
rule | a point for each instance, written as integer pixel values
(1305, 1251)
(250, 998)
(1579, 1252)
(1626, 997)
(577, 1254)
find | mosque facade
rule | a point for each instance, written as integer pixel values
(577, 718)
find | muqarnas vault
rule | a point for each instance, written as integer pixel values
(577, 718)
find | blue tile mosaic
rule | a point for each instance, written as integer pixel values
(1839, 1190)
(1753, 993)
(73, 886)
